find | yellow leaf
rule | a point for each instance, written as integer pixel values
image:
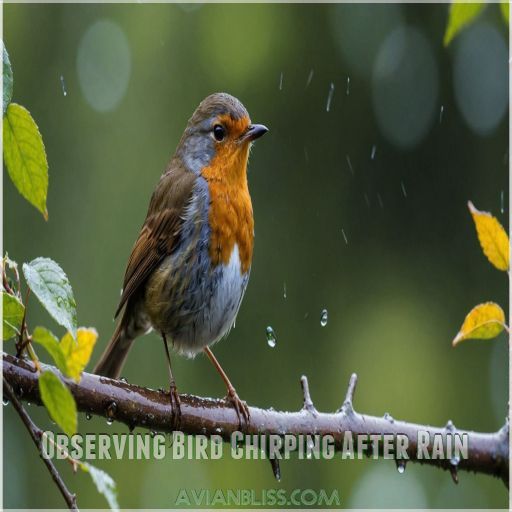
(461, 14)
(493, 238)
(484, 321)
(78, 353)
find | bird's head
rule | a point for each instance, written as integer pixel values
(219, 134)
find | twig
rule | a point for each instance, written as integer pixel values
(36, 433)
(141, 407)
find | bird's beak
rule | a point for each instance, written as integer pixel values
(255, 131)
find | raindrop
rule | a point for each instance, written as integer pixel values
(310, 77)
(389, 418)
(329, 97)
(441, 112)
(88, 416)
(218, 430)
(29, 404)
(63, 85)
(152, 433)
(450, 426)
(400, 466)
(404, 192)
(374, 150)
(111, 412)
(306, 154)
(123, 379)
(271, 337)
(310, 448)
(323, 318)
(5, 402)
(281, 81)
(348, 85)
(502, 202)
(367, 200)
(110, 421)
(349, 164)
(284, 291)
(344, 236)
(379, 198)
(454, 461)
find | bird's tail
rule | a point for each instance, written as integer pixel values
(112, 360)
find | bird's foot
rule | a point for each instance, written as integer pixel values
(175, 407)
(241, 408)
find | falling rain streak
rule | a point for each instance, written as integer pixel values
(348, 85)
(379, 199)
(310, 77)
(404, 192)
(329, 97)
(441, 112)
(350, 164)
(63, 86)
(324, 317)
(502, 202)
(374, 150)
(344, 235)
(281, 81)
(284, 291)
(271, 337)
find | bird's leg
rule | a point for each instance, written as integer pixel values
(173, 390)
(240, 407)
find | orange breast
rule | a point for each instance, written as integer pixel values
(231, 219)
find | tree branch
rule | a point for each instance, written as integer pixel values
(136, 406)
(37, 434)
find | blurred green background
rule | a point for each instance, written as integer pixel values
(379, 136)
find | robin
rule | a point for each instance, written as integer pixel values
(189, 268)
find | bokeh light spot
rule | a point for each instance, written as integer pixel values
(480, 77)
(405, 87)
(103, 65)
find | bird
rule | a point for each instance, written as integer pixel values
(189, 267)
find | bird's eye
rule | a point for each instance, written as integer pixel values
(219, 132)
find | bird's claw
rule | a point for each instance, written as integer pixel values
(241, 408)
(175, 407)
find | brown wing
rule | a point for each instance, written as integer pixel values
(161, 230)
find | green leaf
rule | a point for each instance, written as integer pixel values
(51, 286)
(12, 311)
(8, 79)
(460, 16)
(51, 344)
(25, 156)
(104, 483)
(504, 8)
(59, 402)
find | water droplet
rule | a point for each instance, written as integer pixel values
(63, 86)
(374, 150)
(329, 97)
(123, 379)
(450, 426)
(310, 77)
(111, 412)
(502, 202)
(281, 81)
(400, 466)
(348, 85)
(88, 416)
(29, 404)
(152, 433)
(310, 448)
(284, 291)
(344, 236)
(271, 337)
(218, 430)
(5, 402)
(323, 318)
(404, 192)
(350, 164)
(454, 461)
(441, 112)
(110, 421)
(389, 418)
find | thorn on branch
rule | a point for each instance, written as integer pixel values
(308, 403)
(347, 404)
